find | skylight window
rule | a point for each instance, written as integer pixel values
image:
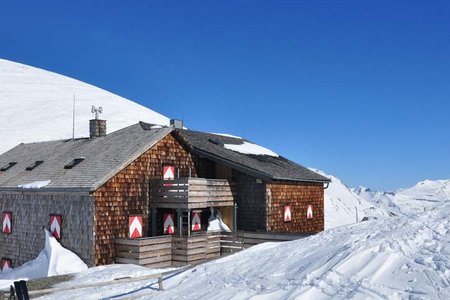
(8, 166)
(34, 165)
(73, 163)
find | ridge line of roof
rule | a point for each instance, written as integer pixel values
(132, 158)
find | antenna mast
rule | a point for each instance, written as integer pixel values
(73, 117)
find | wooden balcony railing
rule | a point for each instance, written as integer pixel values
(191, 193)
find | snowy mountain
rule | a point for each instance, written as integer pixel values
(37, 105)
(343, 206)
(424, 195)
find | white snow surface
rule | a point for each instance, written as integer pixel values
(424, 195)
(215, 222)
(37, 105)
(400, 257)
(35, 184)
(53, 260)
(108, 273)
(250, 148)
(341, 204)
(228, 135)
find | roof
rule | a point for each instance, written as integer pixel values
(261, 166)
(103, 158)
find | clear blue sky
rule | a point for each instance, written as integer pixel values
(360, 89)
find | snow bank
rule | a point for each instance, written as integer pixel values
(343, 206)
(53, 260)
(249, 148)
(35, 184)
(393, 258)
(215, 222)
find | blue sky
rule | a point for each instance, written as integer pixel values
(360, 89)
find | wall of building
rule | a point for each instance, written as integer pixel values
(298, 196)
(127, 193)
(250, 198)
(31, 212)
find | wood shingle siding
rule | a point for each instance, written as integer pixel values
(298, 196)
(31, 212)
(128, 193)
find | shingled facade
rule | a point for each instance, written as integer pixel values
(111, 179)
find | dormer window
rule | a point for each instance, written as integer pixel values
(8, 166)
(34, 165)
(73, 163)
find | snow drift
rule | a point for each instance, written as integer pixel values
(53, 260)
(394, 258)
(344, 207)
(37, 106)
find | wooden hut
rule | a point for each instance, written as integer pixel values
(147, 180)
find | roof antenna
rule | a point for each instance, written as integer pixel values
(73, 118)
(96, 111)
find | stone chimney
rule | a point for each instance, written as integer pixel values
(97, 128)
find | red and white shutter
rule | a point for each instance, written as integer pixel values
(169, 225)
(196, 221)
(7, 222)
(135, 226)
(309, 212)
(287, 213)
(55, 226)
(6, 264)
(169, 173)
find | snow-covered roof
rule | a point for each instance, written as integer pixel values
(247, 157)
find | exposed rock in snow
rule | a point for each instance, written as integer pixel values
(53, 260)
(249, 148)
(35, 184)
(37, 105)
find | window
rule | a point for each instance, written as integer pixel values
(34, 165)
(73, 163)
(8, 166)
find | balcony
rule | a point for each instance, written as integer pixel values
(191, 193)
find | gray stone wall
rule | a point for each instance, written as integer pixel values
(251, 201)
(30, 212)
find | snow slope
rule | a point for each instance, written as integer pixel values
(53, 260)
(37, 105)
(424, 195)
(341, 204)
(388, 258)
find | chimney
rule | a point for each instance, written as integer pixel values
(97, 127)
(178, 124)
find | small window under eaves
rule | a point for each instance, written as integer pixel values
(34, 165)
(8, 166)
(73, 163)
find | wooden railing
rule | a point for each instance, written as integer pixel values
(191, 193)
(152, 252)
(167, 251)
